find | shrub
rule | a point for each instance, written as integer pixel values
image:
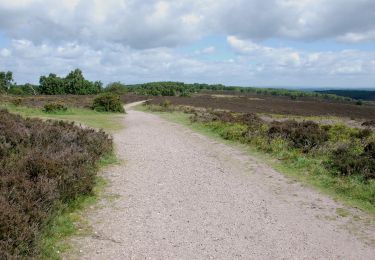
(54, 107)
(234, 132)
(249, 119)
(370, 123)
(349, 159)
(341, 133)
(363, 133)
(16, 91)
(304, 135)
(166, 104)
(43, 164)
(203, 117)
(17, 101)
(108, 102)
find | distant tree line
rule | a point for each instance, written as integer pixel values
(74, 83)
(183, 89)
(354, 94)
(169, 88)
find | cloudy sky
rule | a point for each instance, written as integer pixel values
(296, 43)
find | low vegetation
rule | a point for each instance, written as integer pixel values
(54, 107)
(39, 101)
(44, 165)
(336, 158)
(274, 105)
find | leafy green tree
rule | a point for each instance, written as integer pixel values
(116, 87)
(6, 81)
(52, 85)
(74, 83)
(26, 89)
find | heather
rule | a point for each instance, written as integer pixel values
(43, 166)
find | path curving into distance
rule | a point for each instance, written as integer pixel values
(180, 195)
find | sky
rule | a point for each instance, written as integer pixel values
(288, 43)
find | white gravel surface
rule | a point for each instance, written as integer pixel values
(180, 195)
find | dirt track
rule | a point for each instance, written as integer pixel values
(179, 195)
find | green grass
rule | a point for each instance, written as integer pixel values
(301, 168)
(91, 118)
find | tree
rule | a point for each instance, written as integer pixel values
(74, 83)
(6, 80)
(116, 87)
(52, 85)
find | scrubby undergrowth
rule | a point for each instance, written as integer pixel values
(43, 164)
(336, 158)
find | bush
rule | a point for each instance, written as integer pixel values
(166, 104)
(17, 102)
(43, 164)
(303, 135)
(108, 102)
(370, 123)
(17, 91)
(249, 119)
(54, 107)
(349, 159)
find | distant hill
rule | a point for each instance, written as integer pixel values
(368, 95)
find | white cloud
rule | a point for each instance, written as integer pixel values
(357, 37)
(5, 52)
(206, 51)
(135, 40)
(289, 61)
(254, 64)
(155, 23)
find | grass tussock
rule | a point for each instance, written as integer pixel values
(43, 165)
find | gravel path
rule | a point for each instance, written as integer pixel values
(180, 195)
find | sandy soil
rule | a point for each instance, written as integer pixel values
(180, 195)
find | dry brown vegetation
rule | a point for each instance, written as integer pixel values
(40, 101)
(274, 105)
(77, 101)
(43, 164)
